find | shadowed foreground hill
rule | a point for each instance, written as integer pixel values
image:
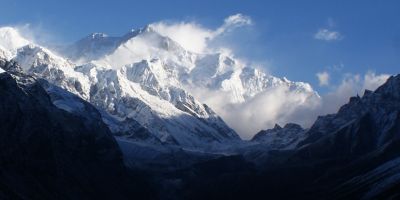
(48, 153)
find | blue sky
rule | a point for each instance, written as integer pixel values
(360, 35)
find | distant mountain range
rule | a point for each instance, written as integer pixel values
(146, 78)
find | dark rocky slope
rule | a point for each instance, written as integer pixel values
(49, 153)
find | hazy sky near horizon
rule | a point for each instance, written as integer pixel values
(319, 42)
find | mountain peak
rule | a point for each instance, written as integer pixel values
(277, 127)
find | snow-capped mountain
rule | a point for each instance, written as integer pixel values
(146, 79)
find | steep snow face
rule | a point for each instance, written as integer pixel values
(43, 63)
(5, 54)
(174, 117)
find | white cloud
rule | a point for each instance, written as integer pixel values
(195, 37)
(328, 35)
(189, 35)
(232, 22)
(323, 78)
